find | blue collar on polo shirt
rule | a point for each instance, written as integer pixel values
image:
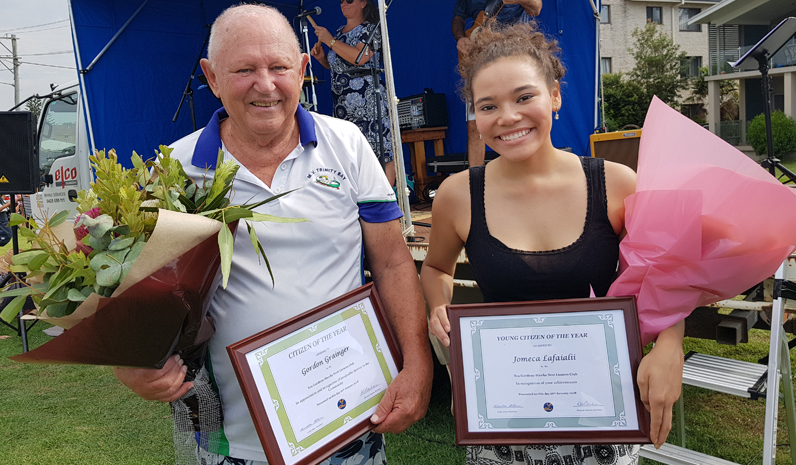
(205, 154)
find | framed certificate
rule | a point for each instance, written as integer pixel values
(547, 372)
(313, 382)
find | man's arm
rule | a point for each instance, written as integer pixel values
(395, 276)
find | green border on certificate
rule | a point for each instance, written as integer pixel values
(477, 324)
(357, 310)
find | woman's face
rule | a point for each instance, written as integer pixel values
(353, 10)
(514, 107)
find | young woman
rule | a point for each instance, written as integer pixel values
(537, 223)
(352, 84)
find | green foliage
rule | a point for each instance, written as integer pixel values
(783, 129)
(657, 72)
(118, 214)
(728, 95)
(625, 102)
(659, 66)
(34, 106)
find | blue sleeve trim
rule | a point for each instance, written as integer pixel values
(379, 212)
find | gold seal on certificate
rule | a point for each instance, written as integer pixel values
(547, 372)
(313, 382)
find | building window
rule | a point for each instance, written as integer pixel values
(605, 14)
(655, 14)
(605, 65)
(690, 67)
(685, 15)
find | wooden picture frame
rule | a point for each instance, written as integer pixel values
(545, 387)
(335, 352)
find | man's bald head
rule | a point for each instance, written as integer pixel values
(230, 18)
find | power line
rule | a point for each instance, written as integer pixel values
(46, 29)
(49, 66)
(32, 27)
(7, 57)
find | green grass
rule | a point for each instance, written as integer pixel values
(51, 414)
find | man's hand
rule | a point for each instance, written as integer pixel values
(660, 380)
(463, 45)
(404, 403)
(164, 385)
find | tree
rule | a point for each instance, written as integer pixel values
(34, 106)
(659, 68)
(625, 102)
(728, 95)
(658, 72)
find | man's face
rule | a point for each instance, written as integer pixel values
(258, 74)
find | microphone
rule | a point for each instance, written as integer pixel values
(315, 11)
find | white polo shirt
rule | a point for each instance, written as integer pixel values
(338, 181)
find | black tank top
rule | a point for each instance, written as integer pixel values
(509, 275)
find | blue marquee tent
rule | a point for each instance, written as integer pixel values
(136, 59)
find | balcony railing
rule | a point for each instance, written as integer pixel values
(720, 59)
(730, 131)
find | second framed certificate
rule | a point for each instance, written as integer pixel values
(548, 372)
(313, 382)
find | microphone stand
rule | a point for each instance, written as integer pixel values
(374, 73)
(309, 64)
(188, 93)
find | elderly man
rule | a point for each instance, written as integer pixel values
(256, 68)
(511, 12)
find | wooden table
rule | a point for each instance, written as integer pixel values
(415, 139)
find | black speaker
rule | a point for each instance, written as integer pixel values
(18, 162)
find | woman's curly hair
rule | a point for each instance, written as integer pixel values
(495, 40)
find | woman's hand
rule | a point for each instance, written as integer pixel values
(660, 380)
(165, 385)
(439, 325)
(323, 35)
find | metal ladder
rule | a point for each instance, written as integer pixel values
(743, 379)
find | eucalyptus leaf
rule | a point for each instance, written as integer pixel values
(129, 260)
(122, 229)
(276, 219)
(75, 296)
(235, 213)
(108, 266)
(16, 219)
(23, 258)
(121, 243)
(26, 233)
(99, 243)
(12, 309)
(225, 246)
(36, 262)
(56, 310)
(59, 218)
(97, 227)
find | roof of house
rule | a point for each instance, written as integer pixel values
(760, 12)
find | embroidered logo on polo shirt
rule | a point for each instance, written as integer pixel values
(327, 177)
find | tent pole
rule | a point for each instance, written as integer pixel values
(113, 39)
(397, 148)
(82, 79)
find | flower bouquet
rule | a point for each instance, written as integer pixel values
(131, 279)
(706, 222)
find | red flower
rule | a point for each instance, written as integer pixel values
(82, 231)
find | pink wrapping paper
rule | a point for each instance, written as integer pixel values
(705, 224)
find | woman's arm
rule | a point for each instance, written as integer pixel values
(343, 50)
(660, 380)
(451, 206)
(318, 53)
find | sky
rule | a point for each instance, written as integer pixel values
(42, 29)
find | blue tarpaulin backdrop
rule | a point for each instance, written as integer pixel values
(134, 89)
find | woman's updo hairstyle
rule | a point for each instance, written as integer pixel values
(495, 41)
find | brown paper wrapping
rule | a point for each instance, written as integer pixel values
(160, 307)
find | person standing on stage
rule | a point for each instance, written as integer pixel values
(512, 11)
(352, 83)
